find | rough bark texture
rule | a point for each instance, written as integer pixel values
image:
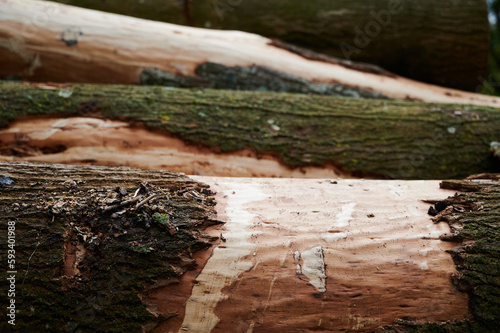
(386, 138)
(253, 78)
(442, 42)
(85, 257)
(474, 218)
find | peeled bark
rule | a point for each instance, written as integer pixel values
(440, 42)
(364, 137)
(71, 44)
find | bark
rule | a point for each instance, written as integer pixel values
(383, 138)
(71, 44)
(443, 42)
(85, 254)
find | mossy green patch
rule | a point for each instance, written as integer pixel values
(161, 218)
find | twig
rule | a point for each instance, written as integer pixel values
(146, 200)
(122, 204)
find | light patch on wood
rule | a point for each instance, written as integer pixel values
(314, 267)
(424, 266)
(334, 237)
(226, 263)
(345, 216)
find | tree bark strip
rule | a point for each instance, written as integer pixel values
(72, 44)
(383, 138)
(80, 268)
(441, 42)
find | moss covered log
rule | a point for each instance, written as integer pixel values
(384, 138)
(442, 42)
(89, 242)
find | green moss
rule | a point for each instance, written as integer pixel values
(161, 218)
(141, 249)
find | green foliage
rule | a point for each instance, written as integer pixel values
(141, 249)
(161, 218)
(491, 84)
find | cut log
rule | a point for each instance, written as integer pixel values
(343, 255)
(441, 42)
(71, 44)
(363, 137)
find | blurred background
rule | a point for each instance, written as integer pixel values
(491, 84)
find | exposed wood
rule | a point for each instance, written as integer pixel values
(71, 44)
(382, 138)
(327, 256)
(80, 268)
(442, 42)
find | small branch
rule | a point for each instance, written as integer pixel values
(146, 200)
(123, 204)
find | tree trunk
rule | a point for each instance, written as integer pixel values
(69, 44)
(344, 255)
(382, 138)
(440, 42)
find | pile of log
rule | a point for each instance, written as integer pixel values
(444, 43)
(111, 248)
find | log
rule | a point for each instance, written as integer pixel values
(323, 255)
(359, 137)
(44, 41)
(444, 43)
